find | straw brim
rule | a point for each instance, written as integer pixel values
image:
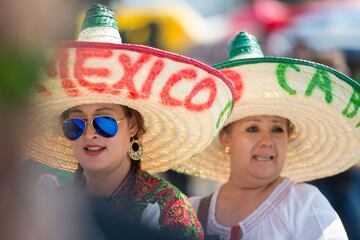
(174, 133)
(326, 140)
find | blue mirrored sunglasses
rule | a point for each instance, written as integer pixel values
(104, 125)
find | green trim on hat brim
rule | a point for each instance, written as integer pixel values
(246, 61)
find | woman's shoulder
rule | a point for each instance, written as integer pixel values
(172, 207)
(300, 196)
(292, 200)
(311, 213)
(304, 192)
(160, 189)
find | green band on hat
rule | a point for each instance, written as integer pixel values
(244, 43)
(99, 16)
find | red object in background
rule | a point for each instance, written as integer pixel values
(261, 17)
(273, 14)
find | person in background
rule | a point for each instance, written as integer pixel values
(293, 121)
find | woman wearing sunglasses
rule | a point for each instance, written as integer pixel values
(127, 110)
(293, 121)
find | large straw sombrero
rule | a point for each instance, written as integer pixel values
(322, 103)
(184, 103)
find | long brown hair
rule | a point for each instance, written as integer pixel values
(129, 112)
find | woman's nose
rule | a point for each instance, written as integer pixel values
(90, 132)
(266, 139)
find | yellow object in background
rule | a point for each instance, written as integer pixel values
(172, 27)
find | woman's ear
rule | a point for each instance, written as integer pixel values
(224, 137)
(133, 126)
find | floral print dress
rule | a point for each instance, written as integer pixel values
(142, 197)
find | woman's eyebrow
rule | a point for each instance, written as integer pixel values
(276, 121)
(254, 120)
(104, 109)
(75, 111)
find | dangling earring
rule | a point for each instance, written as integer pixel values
(227, 150)
(135, 149)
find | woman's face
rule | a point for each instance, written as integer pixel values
(258, 148)
(96, 153)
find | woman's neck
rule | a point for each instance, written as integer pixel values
(103, 184)
(252, 187)
(235, 202)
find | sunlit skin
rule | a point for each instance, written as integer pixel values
(105, 160)
(258, 147)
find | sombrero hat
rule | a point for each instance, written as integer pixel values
(322, 103)
(183, 102)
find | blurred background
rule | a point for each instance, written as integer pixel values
(325, 31)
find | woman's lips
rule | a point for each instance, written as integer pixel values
(263, 158)
(94, 150)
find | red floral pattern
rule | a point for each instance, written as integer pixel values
(175, 214)
(164, 194)
(145, 186)
(140, 189)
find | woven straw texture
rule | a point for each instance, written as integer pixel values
(323, 105)
(184, 103)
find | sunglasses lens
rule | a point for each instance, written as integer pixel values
(73, 128)
(105, 126)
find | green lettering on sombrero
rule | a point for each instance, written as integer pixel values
(281, 69)
(321, 80)
(322, 103)
(355, 101)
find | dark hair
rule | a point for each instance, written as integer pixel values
(78, 175)
(129, 112)
(291, 130)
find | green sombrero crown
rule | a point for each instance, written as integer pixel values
(244, 45)
(98, 15)
(99, 25)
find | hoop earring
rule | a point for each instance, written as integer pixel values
(135, 151)
(227, 150)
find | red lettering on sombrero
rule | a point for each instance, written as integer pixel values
(129, 71)
(189, 74)
(82, 70)
(205, 83)
(154, 72)
(59, 68)
(236, 79)
(59, 64)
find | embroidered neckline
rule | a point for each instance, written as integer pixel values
(279, 193)
(130, 177)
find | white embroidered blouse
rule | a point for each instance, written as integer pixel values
(292, 211)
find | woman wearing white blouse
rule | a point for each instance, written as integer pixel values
(293, 121)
